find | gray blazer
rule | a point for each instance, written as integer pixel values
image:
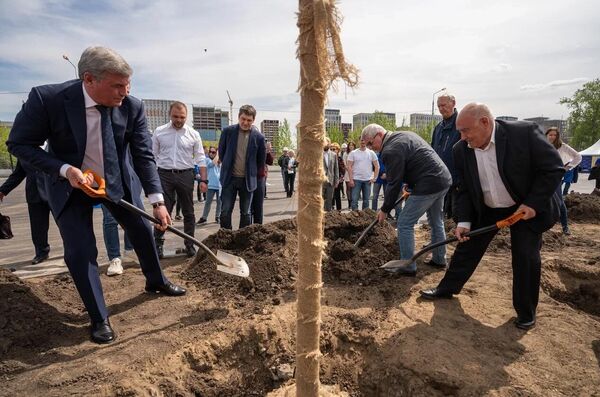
(332, 172)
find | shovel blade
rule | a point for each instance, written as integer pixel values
(395, 264)
(232, 264)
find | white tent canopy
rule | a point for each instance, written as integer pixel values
(593, 150)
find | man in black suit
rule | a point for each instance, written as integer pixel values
(504, 168)
(39, 212)
(92, 123)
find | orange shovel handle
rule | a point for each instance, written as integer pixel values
(511, 220)
(100, 191)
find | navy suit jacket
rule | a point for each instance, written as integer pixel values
(56, 113)
(255, 155)
(32, 194)
(529, 167)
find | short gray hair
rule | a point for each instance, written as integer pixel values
(371, 130)
(100, 60)
(448, 96)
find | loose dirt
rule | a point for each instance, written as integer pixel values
(235, 337)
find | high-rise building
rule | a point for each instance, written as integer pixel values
(422, 120)
(346, 128)
(361, 120)
(157, 112)
(333, 119)
(270, 129)
(208, 120)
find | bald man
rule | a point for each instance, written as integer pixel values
(504, 167)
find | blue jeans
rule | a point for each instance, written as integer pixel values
(376, 188)
(210, 193)
(564, 221)
(365, 188)
(229, 194)
(110, 228)
(414, 208)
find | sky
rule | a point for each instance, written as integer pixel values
(519, 57)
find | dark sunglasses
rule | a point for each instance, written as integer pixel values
(211, 152)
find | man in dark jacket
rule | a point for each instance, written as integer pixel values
(39, 211)
(242, 153)
(444, 136)
(409, 160)
(505, 168)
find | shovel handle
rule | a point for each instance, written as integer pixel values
(100, 191)
(511, 220)
(404, 195)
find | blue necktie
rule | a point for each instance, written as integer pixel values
(112, 172)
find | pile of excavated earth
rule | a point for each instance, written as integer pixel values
(236, 337)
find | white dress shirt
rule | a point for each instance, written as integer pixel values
(177, 149)
(94, 155)
(495, 194)
(569, 156)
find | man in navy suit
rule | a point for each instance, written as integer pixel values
(81, 119)
(242, 153)
(39, 212)
(504, 168)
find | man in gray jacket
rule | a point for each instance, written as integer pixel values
(409, 160)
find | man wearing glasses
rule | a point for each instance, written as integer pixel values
(409, 160)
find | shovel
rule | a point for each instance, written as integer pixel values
(225, 262)
(511, 220)
(364, 234)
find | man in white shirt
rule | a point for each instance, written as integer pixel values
(362, 169)
(178, 148)
(504, 168)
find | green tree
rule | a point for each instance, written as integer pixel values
(380, 118)
(6, 162)
(354, 136)
(426, 131)
(584, 119)
(335, 134)
(283, 138)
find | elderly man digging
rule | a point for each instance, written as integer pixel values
(409, 160)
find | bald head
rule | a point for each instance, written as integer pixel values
(475, 123)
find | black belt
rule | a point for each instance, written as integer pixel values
(176, 171)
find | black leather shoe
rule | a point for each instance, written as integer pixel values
(168, 289)
(190, 251)
(102, 332)
(435, 293)
(435, 264)
(521, 324)
(159, 249)
(39, 259)
(403, 271)
(201, 221)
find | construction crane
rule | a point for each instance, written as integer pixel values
(230, 108)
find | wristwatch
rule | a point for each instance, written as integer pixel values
(158, 204)
(204, 181)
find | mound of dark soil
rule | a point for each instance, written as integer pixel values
(583, 207)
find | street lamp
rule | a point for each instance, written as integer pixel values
(66, 58)
(433, 99)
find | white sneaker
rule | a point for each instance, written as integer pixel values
(130, 255)
(115, 268)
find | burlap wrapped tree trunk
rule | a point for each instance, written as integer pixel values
(321, 62)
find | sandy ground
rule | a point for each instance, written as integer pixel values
(235, 337)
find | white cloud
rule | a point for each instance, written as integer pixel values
(553, 84)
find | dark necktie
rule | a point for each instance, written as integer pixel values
(112, 172)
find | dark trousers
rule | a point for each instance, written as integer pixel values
(526, 262)
(75, 224)
(182, 185)
(258, 200)
(39, 215)
(289, 183)
(229, 193)
(337, 196)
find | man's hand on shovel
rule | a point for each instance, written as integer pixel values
(160, 212)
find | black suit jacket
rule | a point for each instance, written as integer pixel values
(32, 194)
(529, 167)
(56, 113)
